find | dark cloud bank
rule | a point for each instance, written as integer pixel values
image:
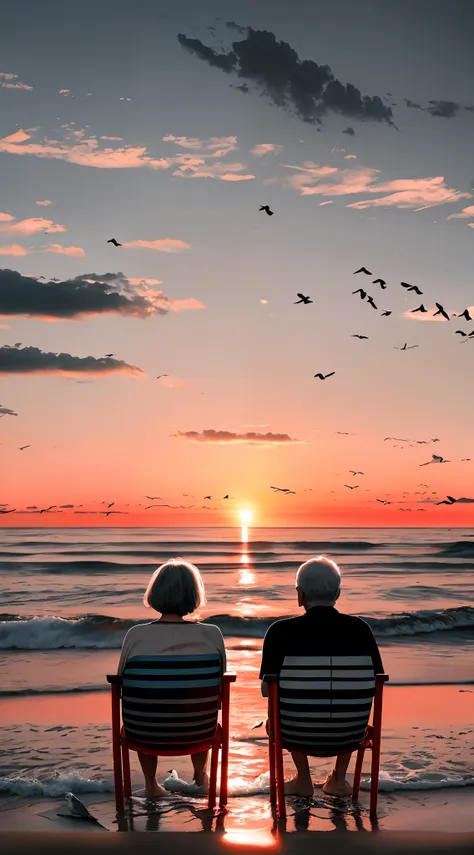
(32, 360)
(309, 89)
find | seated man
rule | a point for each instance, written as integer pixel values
(321, 632)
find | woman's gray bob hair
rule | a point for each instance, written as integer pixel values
(176, 588)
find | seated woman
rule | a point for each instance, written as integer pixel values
(176, 589)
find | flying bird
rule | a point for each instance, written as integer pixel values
(208, 497)
(363, 270)
(380, 282)
(227, 497)
(411, 288)
(109, 355)
(385, 314)
(44, 510)
(360, 336)
(355, 487)
(324, 376)
(469, 337)
(111, 504)
(162, 375)
(353, 472)
(281, 489)
(383, 501)
(436, 458)
(449, 500)
(419, 309)
(11, 511)
(370, 301)
(406, 347)
(441, 311)
(266, 208)
(363, 294)
(302, 299)
(461, 332)
(153, 498)
(465, 315)
(115, 243)
(22, 447)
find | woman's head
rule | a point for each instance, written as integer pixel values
(176, 588)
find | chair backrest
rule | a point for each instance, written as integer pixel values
(325, 702)
(171, 702)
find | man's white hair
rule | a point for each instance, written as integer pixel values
(319, 579)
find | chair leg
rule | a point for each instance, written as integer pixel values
(223, 789)
(374, 777)
(271, 765)
(211, 798)
(358, 773)
(117, 762)
(127, 780)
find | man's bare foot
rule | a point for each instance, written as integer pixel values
(299, 787)
(153, 790)
(202, 782)
(334, 787)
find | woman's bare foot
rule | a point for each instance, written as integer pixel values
(299, 787)
(153, 790)
(334, 787)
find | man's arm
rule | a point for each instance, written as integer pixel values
(375, 653)
(272, 656)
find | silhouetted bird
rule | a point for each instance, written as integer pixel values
(44, 510)
(109, 355)
(441, 311)
(363, 270)
(359, 336)
(461, 332)
(302, 299)
(355, 487)
(111, 504)
(449, 500)
(207, 497)
(380, 282)
(465, 314)
(411, 288)
(266, 208)
(353, 472)
(419, 309)
(162, 375)
(280, 489)
(435, 458)
(23, 447)
(324, 376)
(11, 511)
(406, 347)
(115, 243)
(385, 314)
(383, 501)
(363, 294)
(370, 301)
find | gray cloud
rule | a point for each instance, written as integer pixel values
(247, 438)
(32, 360)
(311, 90)
(66, 506)
(85, 295)
(4, 411)
(349, 131)
(438, 108)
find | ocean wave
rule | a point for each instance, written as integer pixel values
(53, 690)
(391, 781)
(459, 549)
(106, 632)
(54, 787)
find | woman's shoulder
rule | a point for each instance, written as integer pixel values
(210, 629)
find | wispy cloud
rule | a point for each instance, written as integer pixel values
(44, 202)
(64, 92)
(32, 360)
(262, 149)
(235, 438)
(163, 245)
(14, 249)
(465, 213)
(402, 192)
(10, 81)
(74, 251)
(84, 296)
(199, 161)
(31, 226)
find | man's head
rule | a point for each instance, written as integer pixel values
(318, 582)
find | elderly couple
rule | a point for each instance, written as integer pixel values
(176, 589)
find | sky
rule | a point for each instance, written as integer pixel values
(166, 126)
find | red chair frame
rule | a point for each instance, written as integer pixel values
(121, 747)
(371, 741)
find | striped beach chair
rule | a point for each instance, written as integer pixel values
(169, 706)
(320, 705)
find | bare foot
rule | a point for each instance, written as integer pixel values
(299, 787)
(202, 782)
(153, 790)
(333, 787)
